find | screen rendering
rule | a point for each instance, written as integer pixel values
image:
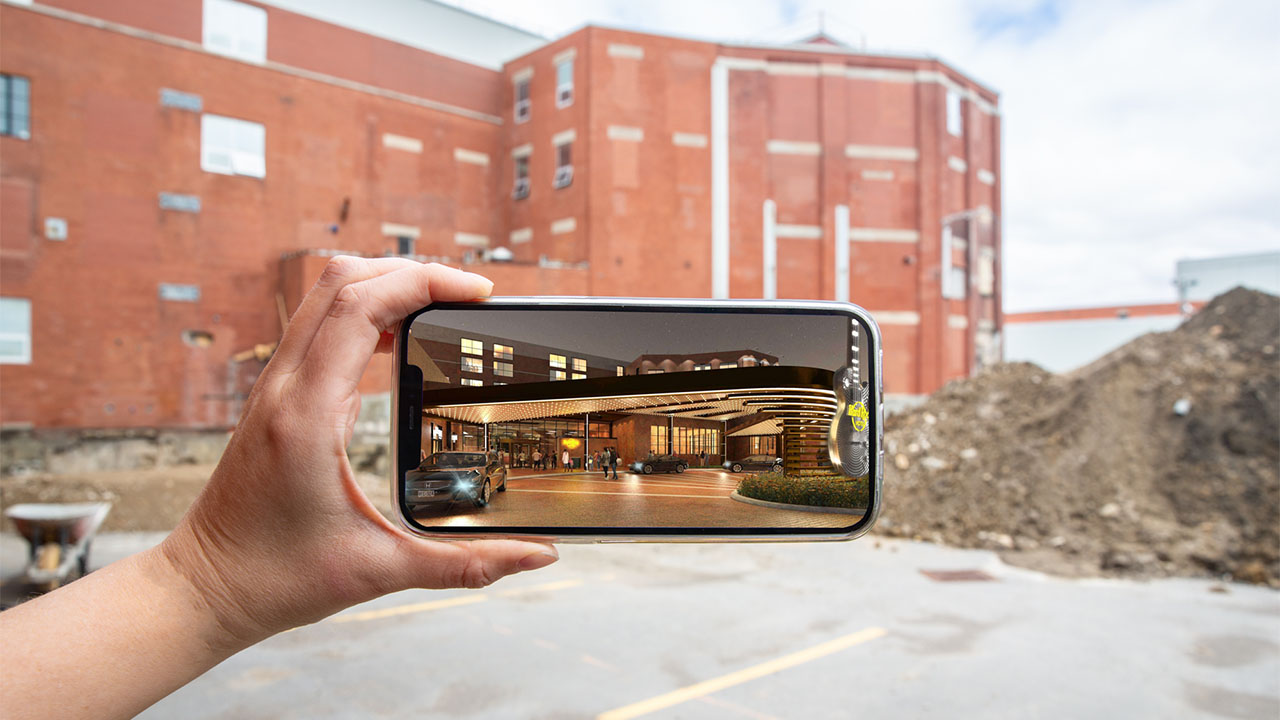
(642, 419)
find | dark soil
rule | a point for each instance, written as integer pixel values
(1095, 471)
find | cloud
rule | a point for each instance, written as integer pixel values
(1136, 133)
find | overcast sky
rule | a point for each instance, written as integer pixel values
(1136, 132)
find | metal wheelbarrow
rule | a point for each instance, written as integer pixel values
(59, 536)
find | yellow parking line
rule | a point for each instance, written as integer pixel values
(407, 609)
(545, 587)
(707, 687)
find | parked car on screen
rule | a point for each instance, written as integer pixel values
(659, 463)
(754, 462)
(444, 478)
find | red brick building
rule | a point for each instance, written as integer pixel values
(178, 171)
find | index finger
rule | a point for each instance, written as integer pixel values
(348, 336)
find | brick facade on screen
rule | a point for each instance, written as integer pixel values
(368, 140)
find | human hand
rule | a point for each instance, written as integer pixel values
(282, 535)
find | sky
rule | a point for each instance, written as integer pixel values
(1136, 132)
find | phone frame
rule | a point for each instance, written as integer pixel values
(875, 435)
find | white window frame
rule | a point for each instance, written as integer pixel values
(235, 29)
(471, 347)
(621, 371)
(15, 326)
(471, 382)
(230, 146)
(520, 189)
(523, 108)
(955, 113)
(564, 172)
(564, 90)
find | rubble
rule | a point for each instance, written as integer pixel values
(1161, 458)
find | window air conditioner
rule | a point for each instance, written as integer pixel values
(521, 189)
(522, 110)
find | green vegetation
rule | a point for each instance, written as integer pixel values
(812, 488)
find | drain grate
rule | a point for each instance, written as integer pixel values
(957, 575)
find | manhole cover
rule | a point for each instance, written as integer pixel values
(957, 575)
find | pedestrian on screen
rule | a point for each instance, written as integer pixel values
(564, 460)
(613, 462)
(537, 458)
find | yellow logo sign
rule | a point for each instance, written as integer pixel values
(859, 415)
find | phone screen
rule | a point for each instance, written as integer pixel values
(644, 420)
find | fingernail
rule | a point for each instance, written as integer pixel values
(486, 283)
(533, 561)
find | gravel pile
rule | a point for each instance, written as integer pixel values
(1161, 458)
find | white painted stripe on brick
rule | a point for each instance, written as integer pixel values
(741, 63)
(566, 136)
(985, 325)
(625, 132)
(986, 177)
(622, 50)
(808, 232)
(792, 68)
(865, 234)
(401, 142)
(957, 164)
(881, 152)
(524, 150)
(896, 317)
(957, 322)
(521, 235)
(471, 239)
(398, 230)
(564, 225)
(959, 244)
(833, 69)
(563, 55)
(522, 74)
(475, 157)
(793, 147)
(882, 175)
(696, 140)
(880, 74)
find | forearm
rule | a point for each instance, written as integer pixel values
(110, 644)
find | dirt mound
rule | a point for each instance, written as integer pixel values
(1160, 458)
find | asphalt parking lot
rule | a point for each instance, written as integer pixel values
(760, 632)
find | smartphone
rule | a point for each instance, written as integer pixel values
(620, 419)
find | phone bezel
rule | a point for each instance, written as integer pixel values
(658, 534)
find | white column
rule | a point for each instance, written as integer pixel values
(842, 253)
(769, 268)
(719, 180)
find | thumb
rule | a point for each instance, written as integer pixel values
(469, 563)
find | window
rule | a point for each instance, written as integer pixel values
(621, 371)
(503, 369)
(558, 375)
(523, 106)
(472, 365)
(701, 367)
(656, 371)
(557, 361)
(502, 352)
(235, 29)
(658, 439)
(958, 282)
(579, 365)
(747, 361)
(472, 347)
(955, 120)
(564, 83)
(728, 366)
(404, 245)
(15, 331)
(232, 147)
(564, 165)
(521, 189)
(472, 382)
(764, 445)
(579, 376)
(15, 106)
